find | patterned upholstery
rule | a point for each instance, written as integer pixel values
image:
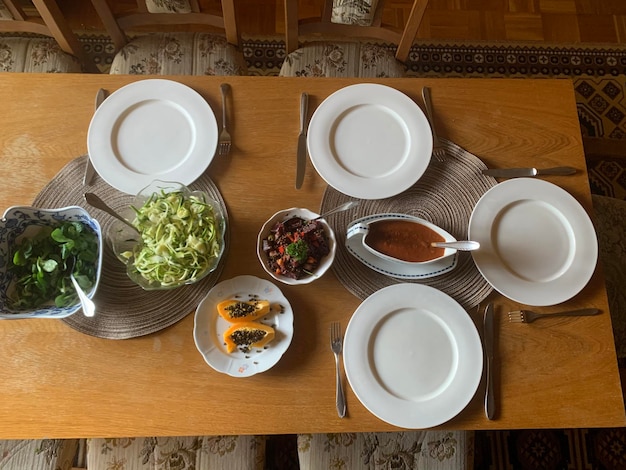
(173, 53)
(342, 59)
(358, 12)
(610, 223)
(166, 453)
(168, 6)
(179, 54)
(41, 52)
(33, 454)
(431, 450)
(35, 55)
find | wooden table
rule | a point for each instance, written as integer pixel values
(57, 382)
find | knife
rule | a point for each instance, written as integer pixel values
(488, 324)
(517, 172)
(301, 155)
(90, 171)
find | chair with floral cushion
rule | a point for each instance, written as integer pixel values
(165, 453)
(190, 41)
(325, 54)
(428, 450)
(50, 46)
(37, 454)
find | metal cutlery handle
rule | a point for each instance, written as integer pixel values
(95, 201)
(304, 110)
(224, 88)
(340, 399)
(559, 170)
(429, 112)
(585, 312)
(90, 171)
(490, 401)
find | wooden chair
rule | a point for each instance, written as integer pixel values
(59, 51)
(189, 41)
(329, 48)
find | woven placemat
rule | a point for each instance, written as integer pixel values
(125, 310)
(445, 195)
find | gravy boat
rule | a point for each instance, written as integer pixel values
(361, 230)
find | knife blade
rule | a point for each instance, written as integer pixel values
(90, 171)
(301, 154)
(517, 172)
(489, 332)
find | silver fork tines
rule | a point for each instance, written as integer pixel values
(336, 344)
(225, 140)
(439, 151)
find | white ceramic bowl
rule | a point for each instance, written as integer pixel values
(283, 216)
(126, 240)
(24, 221)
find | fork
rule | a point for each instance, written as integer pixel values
(225, 141)
(526, 316)
(439, 151)
(336, 343)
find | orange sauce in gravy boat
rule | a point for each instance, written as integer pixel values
(404, 240)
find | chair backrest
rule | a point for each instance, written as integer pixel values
(162, 14)
(352, 19)
(49, 22)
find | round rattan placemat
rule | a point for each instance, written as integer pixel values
(445, 195)
(125, 310)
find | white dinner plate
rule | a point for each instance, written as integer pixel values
(354, 245)
(369, 141)
(538, 246)
(412, 356)
(152, 129)
(209, 327)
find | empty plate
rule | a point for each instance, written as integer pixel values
(152, 129)
(369, 141)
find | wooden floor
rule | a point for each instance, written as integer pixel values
(550, 21)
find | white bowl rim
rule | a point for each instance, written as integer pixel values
(284, 215)
(44, 312)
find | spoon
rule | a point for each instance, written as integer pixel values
(89, 308)
(340, 208)
(461, 245)
(95, 201)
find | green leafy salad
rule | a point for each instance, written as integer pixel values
(181, 239)
(41, 266)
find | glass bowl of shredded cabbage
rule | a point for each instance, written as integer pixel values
(179, 236)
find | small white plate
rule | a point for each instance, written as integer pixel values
(209, 327)
(354, 245)
(412, 356)
(152, 129)
(369, 141)
(538, 246)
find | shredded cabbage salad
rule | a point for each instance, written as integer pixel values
(180, 238)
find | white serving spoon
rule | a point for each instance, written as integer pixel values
(89, 308)
(461, 245)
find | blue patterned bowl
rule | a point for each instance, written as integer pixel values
(21, 221)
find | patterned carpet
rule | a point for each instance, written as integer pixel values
(599, 77)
